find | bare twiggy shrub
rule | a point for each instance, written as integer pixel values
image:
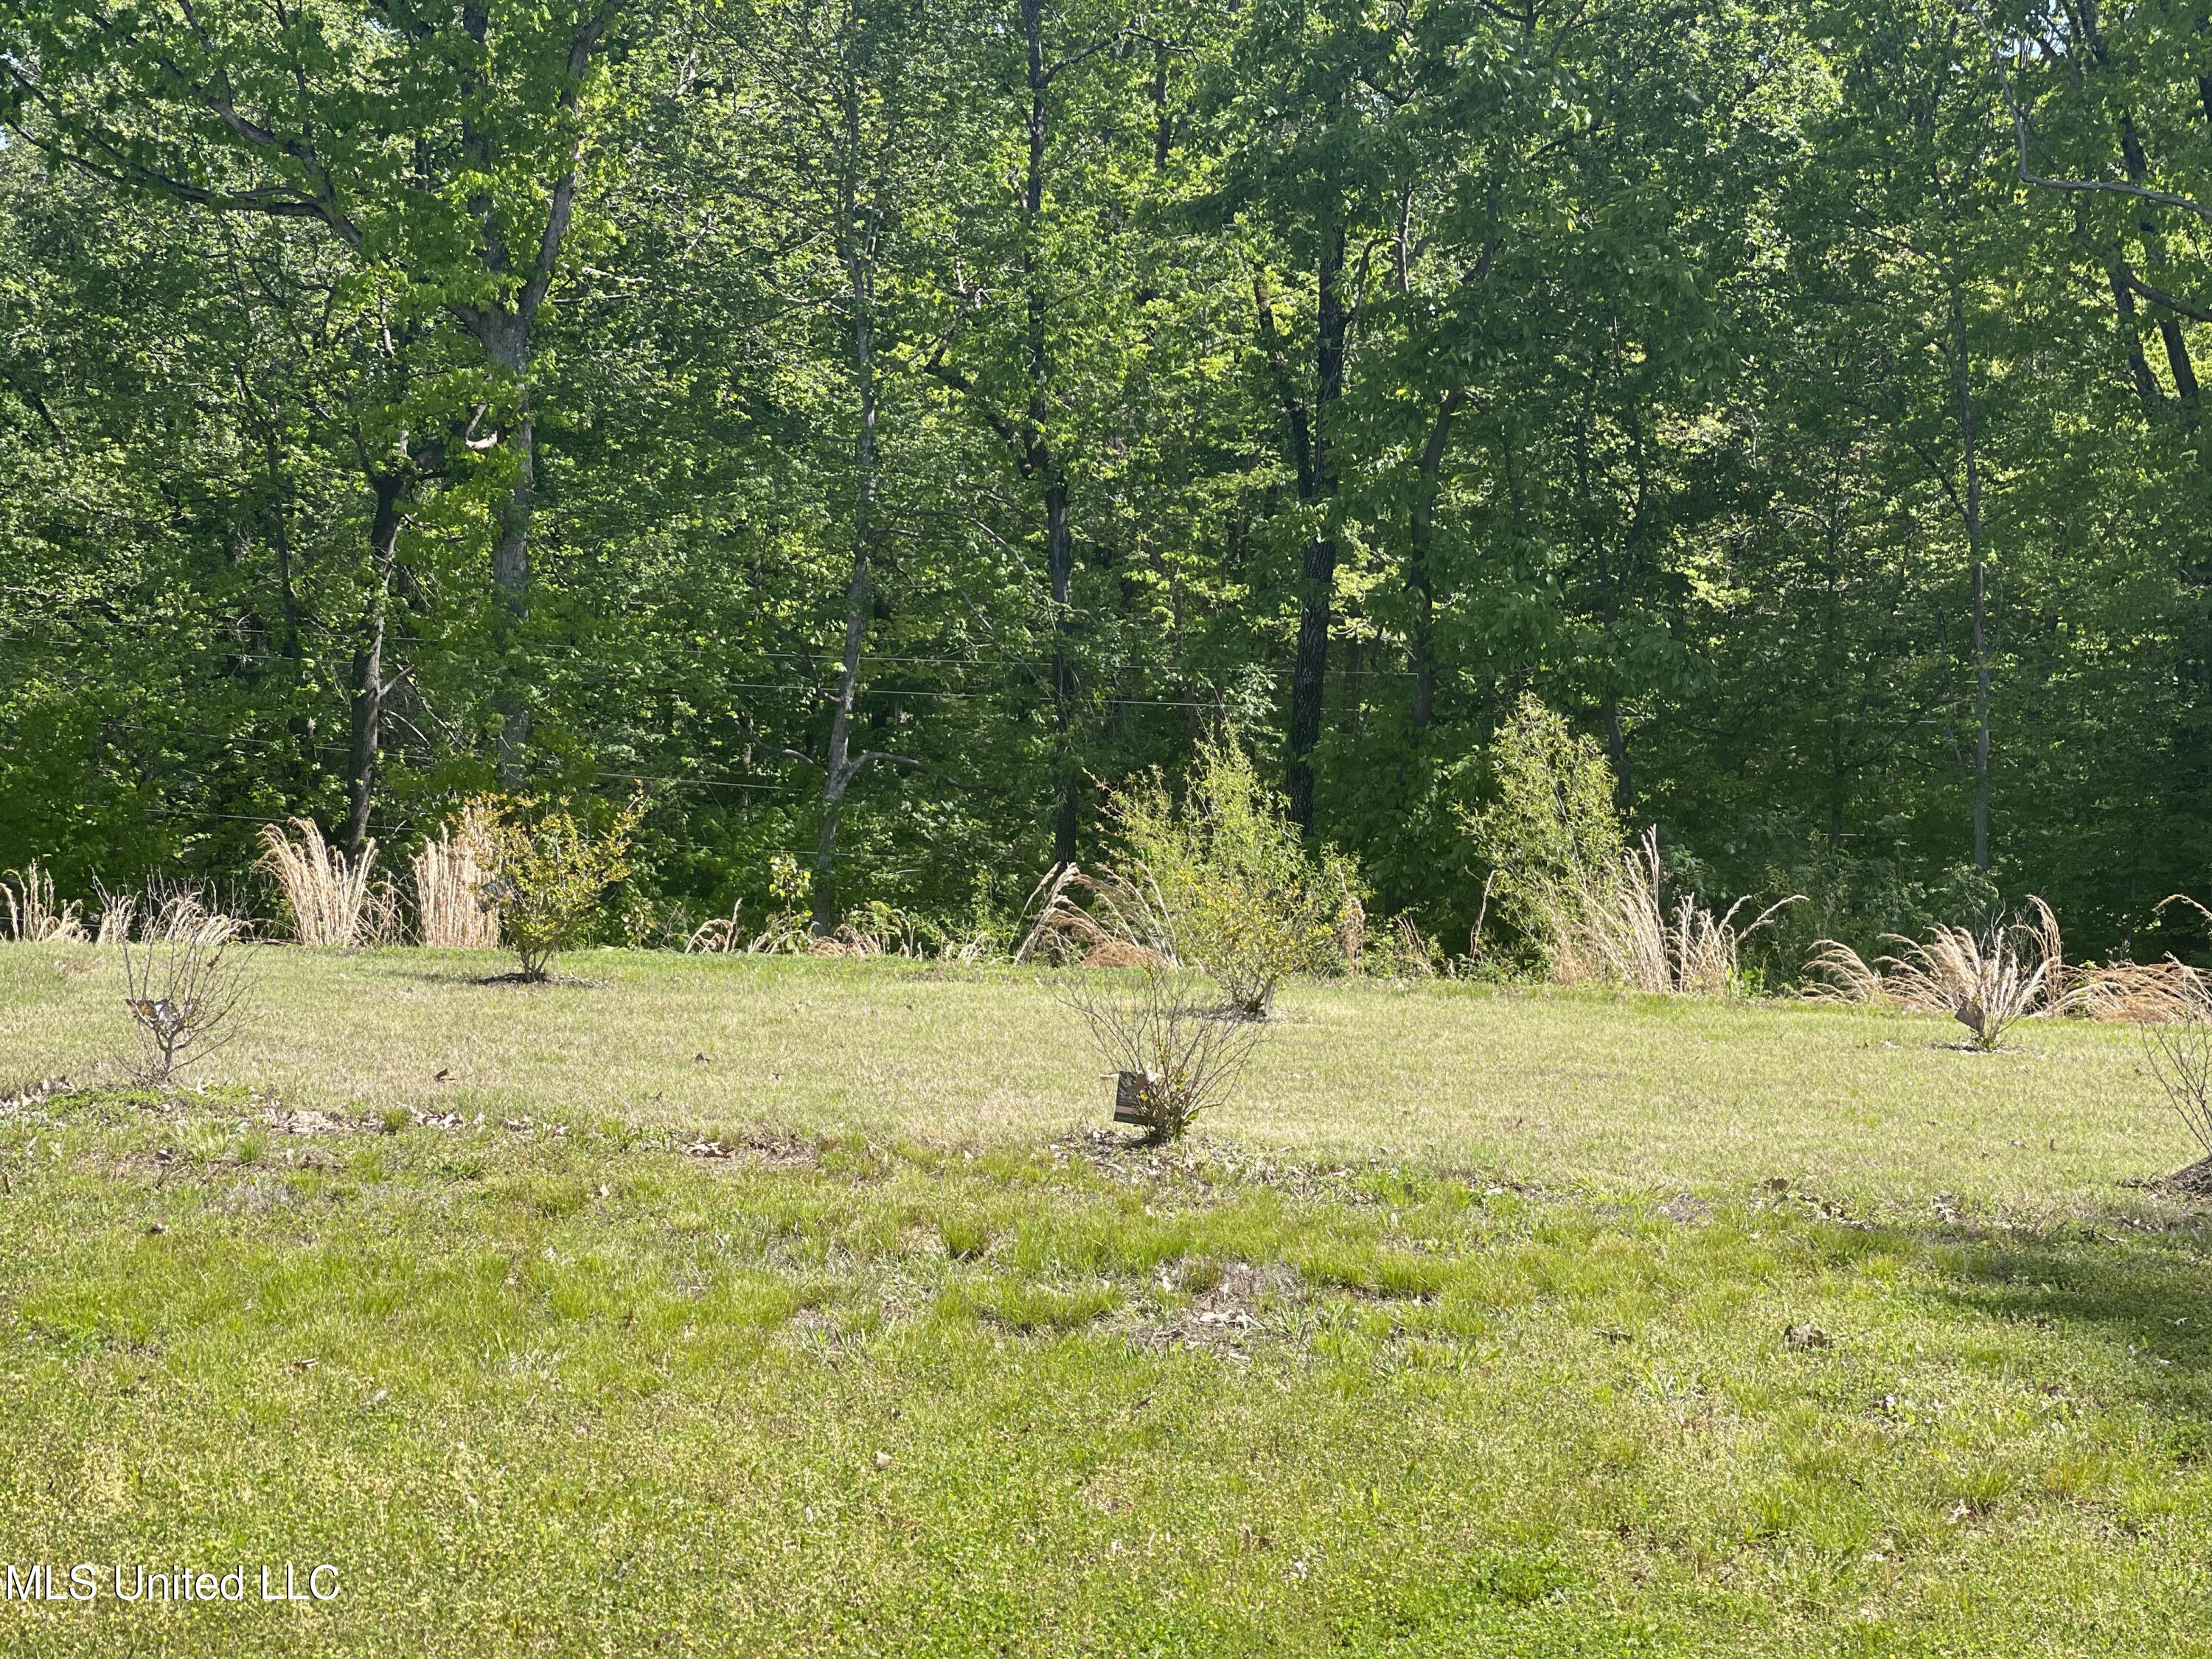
(182, 994)
(2179, 1050)
(451, 912)
(33, 915)
(324, 893)
(1618, 930)
(1177, 1052)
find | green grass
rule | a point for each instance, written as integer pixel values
(925, 1368)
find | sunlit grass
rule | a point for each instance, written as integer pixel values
(924, 1368)
(1571, 1090)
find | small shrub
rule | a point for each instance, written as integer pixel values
(1183, 1053)
(549, 871)
(1552, 837)
(324, 894)
(182, 994)
(33, 915)
(2180, 1051)
(450, 872)
(1222, 881)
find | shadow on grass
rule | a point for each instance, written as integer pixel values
(2143, 1287)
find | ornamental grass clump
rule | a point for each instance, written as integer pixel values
(1987, 981)
(549, 871)
(324, 894)
(34, 916)
(1620, 930)
(450, 872)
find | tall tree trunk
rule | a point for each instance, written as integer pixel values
(1044, 462)
(856, 240)
(367, 743)
(1970, 510)
(1420, 581)
(1317, 574)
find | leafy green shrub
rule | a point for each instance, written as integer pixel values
(1553, 835)
(549, 870)
(1237, 892)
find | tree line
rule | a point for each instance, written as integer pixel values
(871, 430)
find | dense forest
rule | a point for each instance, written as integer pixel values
(871, 430)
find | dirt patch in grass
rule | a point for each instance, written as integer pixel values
(1232, 1305)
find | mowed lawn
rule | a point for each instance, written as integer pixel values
(766, 1307)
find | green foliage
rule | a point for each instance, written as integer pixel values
(1553, 833)
(550, 870)
(1239, 894)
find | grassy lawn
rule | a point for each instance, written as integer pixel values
(1476, 1325)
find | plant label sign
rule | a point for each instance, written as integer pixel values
(1132, 1098)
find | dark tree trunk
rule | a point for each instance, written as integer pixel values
(366, 747)
(1317, 573)
(1970, 511)
(1420, 580)
(1041, 460)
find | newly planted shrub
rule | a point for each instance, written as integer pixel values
(549, 870)
(2180, 1051)
(1178, 1052)
(182, 992)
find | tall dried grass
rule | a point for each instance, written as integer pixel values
(1617, 930)
(34, 914)
(1987, 981)
(450, 872)
(1109, 919)
(181, 914)
(326, 894)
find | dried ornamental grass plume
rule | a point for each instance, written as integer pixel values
(1176, 1054)
(117, 912)
(1107, 920)
(1620, 931)
(33, 916)
(324, 893)
(182, 994)
(450, 911)
(1986, 981)
(723, 936)
(182, 914)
